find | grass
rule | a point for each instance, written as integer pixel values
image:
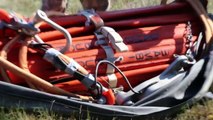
(20, 114)
(199, 111)
(202, 111)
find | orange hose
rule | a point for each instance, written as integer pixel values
(142, 35)
(135, 77)
(124, 67)
(75, 20)
(134, 23)
(23, 60)
(137, 47)
(143, 31)
(142, 57)
(34, 79)
(151, 21)
(88, 62)
(4, 53)
(140, 53)
(4, 16)
(37, 81)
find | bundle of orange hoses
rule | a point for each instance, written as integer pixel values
(152, 35)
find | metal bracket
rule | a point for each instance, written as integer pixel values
(114, 38)
(92, 17)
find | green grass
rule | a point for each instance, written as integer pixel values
(200, 111)
(28, 7)
(20, 114)
(23, 7)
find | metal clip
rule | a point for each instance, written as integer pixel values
(114, 38)
(92, 17)
(41, 16)
(21, 25)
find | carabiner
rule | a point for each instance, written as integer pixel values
(41, 16)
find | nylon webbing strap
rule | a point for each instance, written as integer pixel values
(114, 38)
(112, 80)
(110, 70)
(106, 35)
(110, 55)
(92, 17)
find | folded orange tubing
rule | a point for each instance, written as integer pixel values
(139, 35)
(76, 20)
(135, 77)
(89, 63)
(127, 24)
(138, 52)
(31, 78)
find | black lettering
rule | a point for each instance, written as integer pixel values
(88, 46)
(148, 56)
(139, 56)
(165, 53)
(72, 48)
(157, 53)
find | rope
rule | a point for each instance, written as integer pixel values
(3, 54)
(38, 82)
(23, 60)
